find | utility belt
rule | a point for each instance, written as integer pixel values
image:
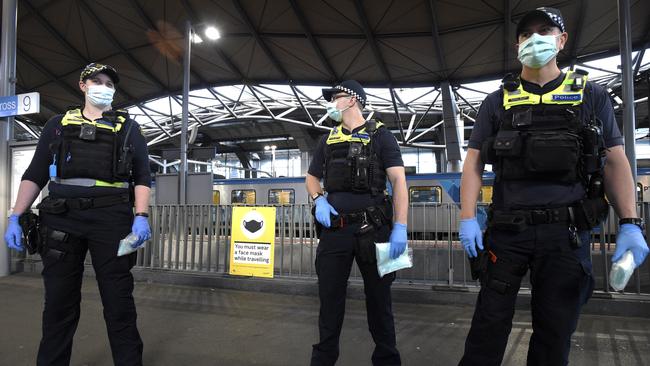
(376, 216)
(57, 206)
(581, 215)
(370, 219)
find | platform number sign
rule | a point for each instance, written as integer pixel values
(20, 104)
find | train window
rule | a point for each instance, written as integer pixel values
(639, 192)
(485, 195)
(216, 197)
(282, 196)
(242, 197)
(425, 194)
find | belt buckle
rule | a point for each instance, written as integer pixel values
(539, 216)
(85, 203)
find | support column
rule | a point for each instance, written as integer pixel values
(305, 159)
(7, 87)
(625, 43)
(451, 118)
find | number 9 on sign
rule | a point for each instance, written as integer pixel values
(28, 103)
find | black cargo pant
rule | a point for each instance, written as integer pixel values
(99, 231)
(561, 282)
(336, 250)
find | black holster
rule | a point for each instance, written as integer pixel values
(29, 223)
(478, 265)
(589, 213)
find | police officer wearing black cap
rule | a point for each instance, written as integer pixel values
(555, 148)
(354, 161)
(96, 162)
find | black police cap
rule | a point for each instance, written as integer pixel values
(551, 15)
(96, 68)
(351, 87)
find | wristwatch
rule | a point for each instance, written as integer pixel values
(633, 220)
(315, 196)
(143, 214)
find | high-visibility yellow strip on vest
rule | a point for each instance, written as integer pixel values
(570, 92)
(74, 117)
(337, 136)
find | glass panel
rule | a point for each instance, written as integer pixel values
(243, 197)
(281, 196)
(485, 195)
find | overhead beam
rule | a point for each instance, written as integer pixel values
(314, 43)
(70, 48)
(143, 15)
(258, 38)
(397, 116)
(507, 49)
(577, 33)
(49, 74)
(435, 34)
(116, 43)
(372, 41)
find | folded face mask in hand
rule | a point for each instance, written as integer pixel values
(387, 265)
(126, 245)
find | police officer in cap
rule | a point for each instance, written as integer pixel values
(555, 148)
(96, 163)
(354, 161)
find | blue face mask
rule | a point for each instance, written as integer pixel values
(537, 50)
(100, 96)
(333, 112)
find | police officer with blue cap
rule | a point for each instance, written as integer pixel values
(354, 161)
(97, 166)
(555, 149)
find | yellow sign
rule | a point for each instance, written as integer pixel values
(253, 241)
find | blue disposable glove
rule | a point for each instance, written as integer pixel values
(323, 211)
(470, 236)
(397, 240)
(14, 234)
(141, 229)
(630, 238)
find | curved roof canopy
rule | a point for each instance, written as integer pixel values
(381, 43)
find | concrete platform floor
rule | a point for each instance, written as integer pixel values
(202, 326)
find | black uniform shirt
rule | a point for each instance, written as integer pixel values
(38, 170)
(535, 193)
(388, 154)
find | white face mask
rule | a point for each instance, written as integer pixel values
(333, 112)
(538, 50)
(100, 96)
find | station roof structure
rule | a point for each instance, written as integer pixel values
(272, 51)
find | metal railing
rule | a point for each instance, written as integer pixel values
(196, 238)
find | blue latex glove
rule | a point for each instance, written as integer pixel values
(141, 229)
(14, 234)
(323, 211)
(470, 236)
(630, 238)
(397, 240)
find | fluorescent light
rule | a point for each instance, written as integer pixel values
(212, 33)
